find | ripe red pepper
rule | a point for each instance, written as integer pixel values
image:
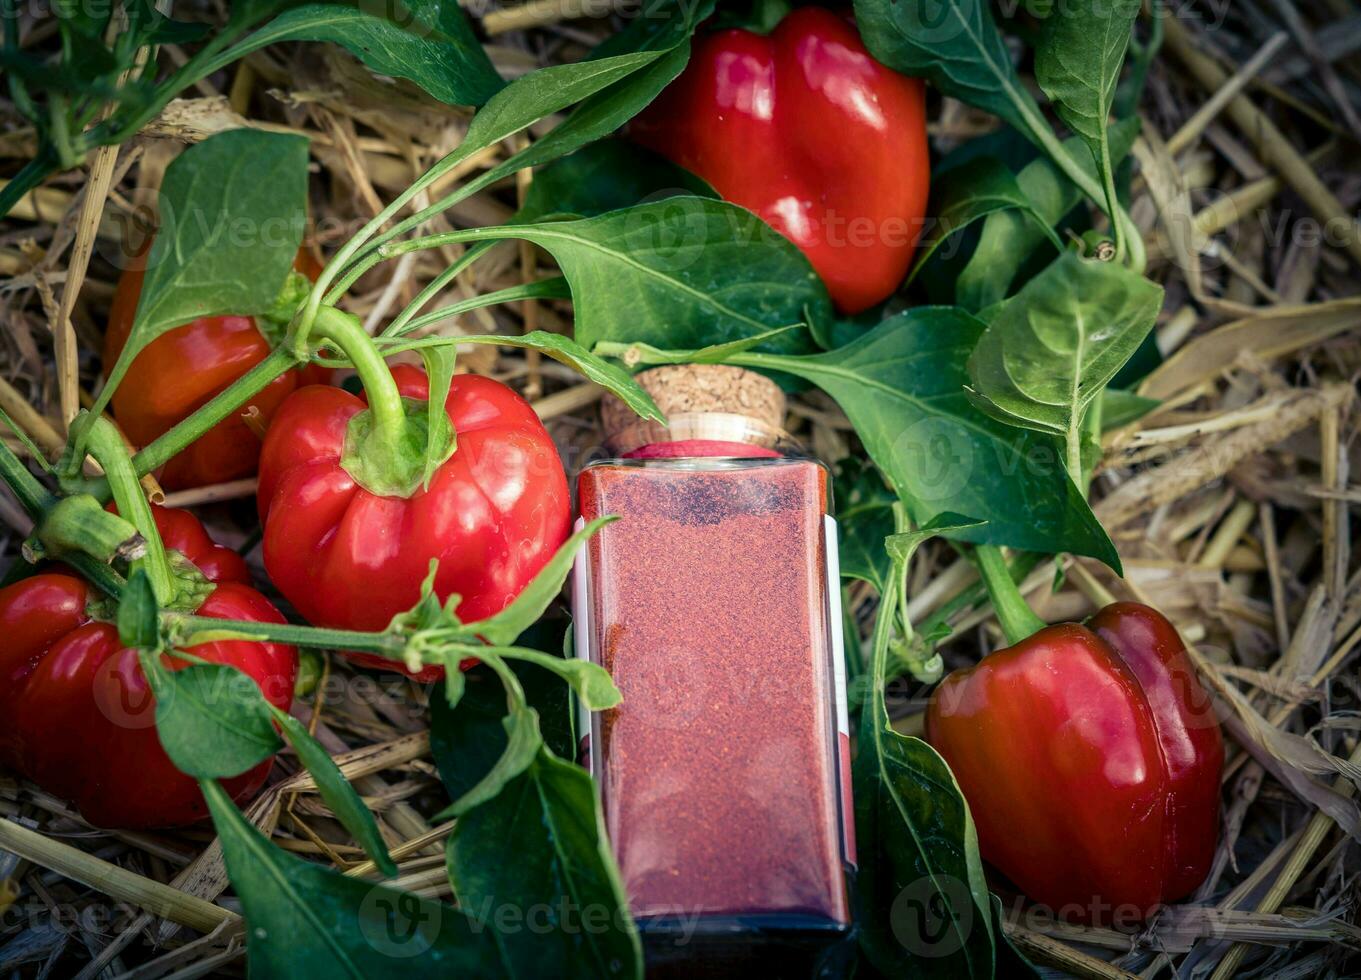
(1091, 760)
(493, 514)
(183, 368)
(79, 718)
(806, 129)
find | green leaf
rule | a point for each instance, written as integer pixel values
(425, 41)
(466, 739)
(605, 176)
(972, 191)
(562, 872)
(594, 368)
(533, 600)
(864, 517)
(441, 439)
(303, 919)
(138, 615)
(211, 719)
(523, 742)
(1009, 240)
(923, 907)
(541, 93)
(657, 25)
(1119, 408)
(1011, 963)
(1055, 345)
(956, 45)
(681, 272)
(1077, 62)
(591, 682)
(902, 545)
(232, 211)
(336, 790)
(902, 386)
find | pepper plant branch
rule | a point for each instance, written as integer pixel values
(1017, 618)
(433, 288)
(105, 444)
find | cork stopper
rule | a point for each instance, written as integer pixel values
(705, 401)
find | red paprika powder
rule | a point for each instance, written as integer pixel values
(712, 604)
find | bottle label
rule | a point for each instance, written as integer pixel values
(843, 726)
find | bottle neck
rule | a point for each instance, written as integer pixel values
(696, 434)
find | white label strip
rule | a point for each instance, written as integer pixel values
(843, 724)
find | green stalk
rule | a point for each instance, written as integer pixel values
(161, 450)
(1121, 222)
(33, 496)
(1112, 200)
(189, 630)
(399, 323)
(344, 331)
(106, 446)
(1074, 440)
(1017, 618)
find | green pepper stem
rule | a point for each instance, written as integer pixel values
(383, 644)
(161, 450)
(106, 445)
(1017, 618)
(344, 331)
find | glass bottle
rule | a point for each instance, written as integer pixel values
(714, 601)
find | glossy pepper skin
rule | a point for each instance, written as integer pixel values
(1091, 759)
(494, 512)
(182, 369)
(79, 718)
(806, 129)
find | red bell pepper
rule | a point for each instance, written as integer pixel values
(79, 717)
(1091, 760)
(185, 367)
(806, 129)
(346, 557)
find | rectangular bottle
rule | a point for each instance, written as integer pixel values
(714, 603)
